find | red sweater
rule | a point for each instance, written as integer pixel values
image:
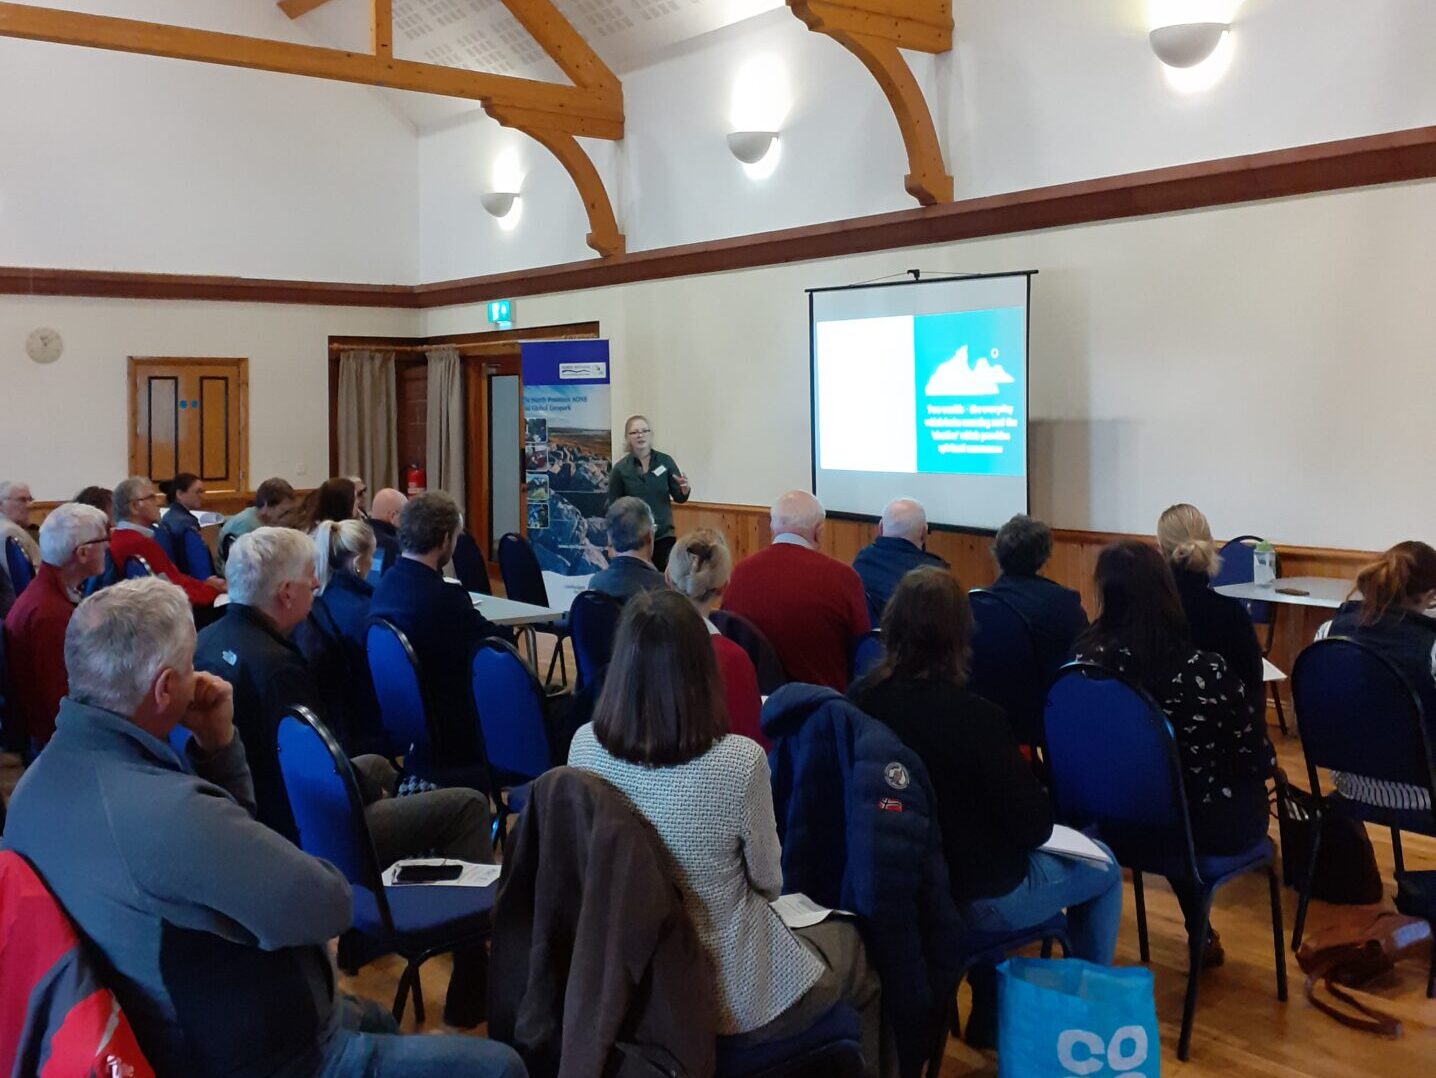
(740, 689)
(809, 606)
(127, 543)
(35, 651)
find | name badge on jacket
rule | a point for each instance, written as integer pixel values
(660, 469)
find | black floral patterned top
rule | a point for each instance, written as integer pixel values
(1224, 751)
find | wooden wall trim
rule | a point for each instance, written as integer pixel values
(1392, 157)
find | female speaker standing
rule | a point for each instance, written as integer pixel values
(644, 472)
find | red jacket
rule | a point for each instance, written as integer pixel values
(56, 1020)
(127, 543)
(35, 651)
(810, 607)
(740, 690)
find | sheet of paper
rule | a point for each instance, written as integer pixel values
(799, 911)
(1065, 842)
(562, 590)
(472, 876)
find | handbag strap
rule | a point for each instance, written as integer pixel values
(1371, 1020)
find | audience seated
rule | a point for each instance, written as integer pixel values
(1053, 613)
(699, 567)
(1218, 623)
(384, 519)
(1397, 591)
(136, 513)
(212, 930)
(630, 551)
(809, 606)
(186, 494)
(333, 637)
(439, 619)
(993, 812)
(900, 546)
(334, 499)
(15, 503)
(1141, 633)
(659, 734)
(361, 494)
(72, 548)
(102, 498)
(271, 500)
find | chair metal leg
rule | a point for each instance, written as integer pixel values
(1197, 945)
(1396, 854)
(1047, 947)
(1304, 898)
(947, 1019)
(418, 986)
(1280, 713)
(1140, 895)
(1278, 936)
(401, 996)
(1431, 977)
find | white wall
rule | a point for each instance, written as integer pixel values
(65, 424)
(1268, 362)
(1035, 92)
(112, 161)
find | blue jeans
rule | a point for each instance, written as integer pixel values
(1091, 895)
(369, 1045)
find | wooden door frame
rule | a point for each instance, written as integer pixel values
(132, 410)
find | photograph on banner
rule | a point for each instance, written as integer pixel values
(568, 441)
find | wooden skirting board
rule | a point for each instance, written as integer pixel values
(1392, 157)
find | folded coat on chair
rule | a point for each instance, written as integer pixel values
(596, 969)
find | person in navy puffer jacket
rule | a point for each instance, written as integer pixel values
(858, 824)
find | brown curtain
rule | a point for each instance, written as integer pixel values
(368, 418)
(445, 423)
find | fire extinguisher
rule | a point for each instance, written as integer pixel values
(416, 479)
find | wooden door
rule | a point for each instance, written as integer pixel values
(190, 415)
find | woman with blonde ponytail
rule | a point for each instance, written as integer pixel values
(1391, 616)
(1218, 622)
(333, 638)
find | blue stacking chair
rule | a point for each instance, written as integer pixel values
(470, 565)
(511, 704)
(592, 625)
(523, 582)
(771, 675)
(195, 559)
(1005, 666)
(1239, 567)
(21, 572)
(417, 922)
(1358, 715)
(403, 709)
(1112, 758)
(137, 566)
(830, 1048)
(867, 652)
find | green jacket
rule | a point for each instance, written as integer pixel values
(658, 487)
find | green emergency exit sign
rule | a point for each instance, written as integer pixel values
(500, 311)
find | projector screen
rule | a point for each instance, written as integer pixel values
(920, 390)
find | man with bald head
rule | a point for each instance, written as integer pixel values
(900, 547)
(384, 515)
(809, 606)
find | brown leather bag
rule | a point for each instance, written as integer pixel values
(1359, 944)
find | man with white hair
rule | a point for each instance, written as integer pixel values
(73, 540)
(809, 606)
(900, 547)
(213, 930)
(271, 590)
(137, 511)
(15, 504)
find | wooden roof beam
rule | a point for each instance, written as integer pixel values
(296, 8)
(874, 31)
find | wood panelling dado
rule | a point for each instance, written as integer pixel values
(1074, 559)
(1391, 157)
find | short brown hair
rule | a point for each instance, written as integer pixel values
(662, 702)
(927, 628)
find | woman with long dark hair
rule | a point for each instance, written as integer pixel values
(660, 736)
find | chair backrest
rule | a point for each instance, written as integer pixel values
(325, 800)
(165, 540)
(471, 565)
(771, 675)
(1112, 760)
(21, 572)
(198, 562)
(510, 702)
(592, 625)
(137, 566)
(1358, 714)
(399, 686)
(1005, 665)
(518, 565)
(1238, 567)
(867, 652)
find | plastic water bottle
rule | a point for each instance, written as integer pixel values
(1264, 564)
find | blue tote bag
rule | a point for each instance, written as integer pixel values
(1071, 1018)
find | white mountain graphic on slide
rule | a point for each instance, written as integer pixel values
(956, 378)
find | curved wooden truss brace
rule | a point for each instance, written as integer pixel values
(549, 112)
(874, 31)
